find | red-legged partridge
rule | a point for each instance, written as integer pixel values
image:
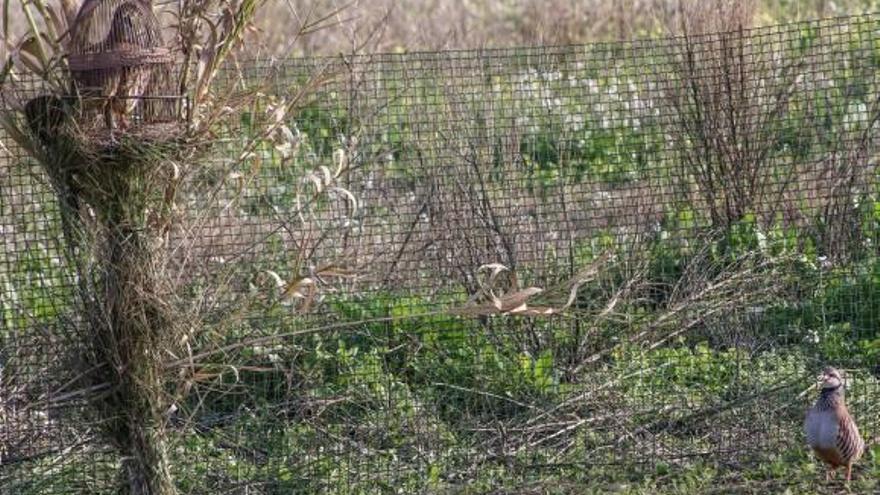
(831, 431)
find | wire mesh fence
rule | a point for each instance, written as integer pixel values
(535, 268)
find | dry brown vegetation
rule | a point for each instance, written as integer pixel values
(411, 25)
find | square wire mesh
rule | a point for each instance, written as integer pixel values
(723, 185)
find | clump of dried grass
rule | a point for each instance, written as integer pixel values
(132, 317)
(116, 208)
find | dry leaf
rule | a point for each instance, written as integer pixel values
(293, 289)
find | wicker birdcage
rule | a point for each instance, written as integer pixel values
(120, 68)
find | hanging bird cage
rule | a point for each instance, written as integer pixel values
(121, 70)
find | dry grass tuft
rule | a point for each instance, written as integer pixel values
(133, 318)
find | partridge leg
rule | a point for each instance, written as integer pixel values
(848, 472)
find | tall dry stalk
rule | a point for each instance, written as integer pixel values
(728, 97)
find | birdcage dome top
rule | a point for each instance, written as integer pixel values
(109, 34)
